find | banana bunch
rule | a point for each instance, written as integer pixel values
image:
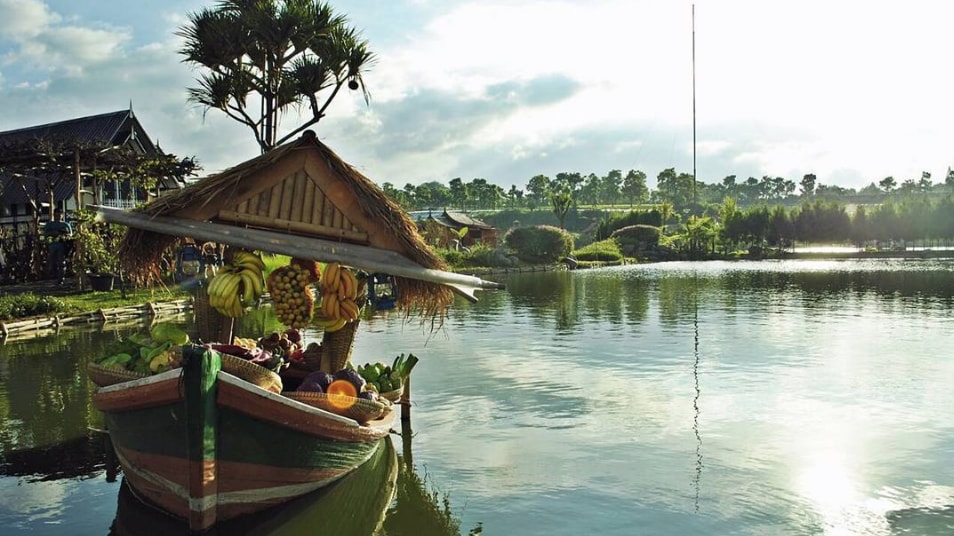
(293, 299)
(328, 324)
(238, 284)
(245, 342)
(339, 293)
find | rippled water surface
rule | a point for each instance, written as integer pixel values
(757, 398)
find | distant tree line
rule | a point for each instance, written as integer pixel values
(727, 227)
(630, 189)
(698, 219)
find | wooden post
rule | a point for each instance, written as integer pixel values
(406, 401)
(78, 178)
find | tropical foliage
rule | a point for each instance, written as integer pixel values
(263, 59)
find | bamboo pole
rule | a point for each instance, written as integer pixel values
(362, 257)
(406, 401)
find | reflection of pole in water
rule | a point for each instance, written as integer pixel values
(112, 462)
(695, 400)
(695, 282)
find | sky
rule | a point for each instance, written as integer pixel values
(504, 90)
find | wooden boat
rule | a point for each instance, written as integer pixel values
(207, 446)
(356, 505)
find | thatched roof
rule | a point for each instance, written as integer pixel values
(300, 188)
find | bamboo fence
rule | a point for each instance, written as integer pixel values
(132, 314)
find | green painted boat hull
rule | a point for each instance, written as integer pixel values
(207, 447)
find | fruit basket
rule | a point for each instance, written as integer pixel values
(358, 409)
(394, 395)
(336, 346)
(252, 373)
(103, 376)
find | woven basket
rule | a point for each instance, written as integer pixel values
(336, 346)
(394, 395)
(360, 410)
(252, 373)
(312, 359)
(103, 376)
(210, 324)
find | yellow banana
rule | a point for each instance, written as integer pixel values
(338, 324)
(328, 302)
(231, 285)
(211, 290)
(215, 287)
(352, 284)
(344, 289)
(258, 281)
(330, 278)
(233, 306)
(322, 321)
(247, 259)
(248, 287)
(217, 292)
(337, 306)
(238, 309)
(349, 309)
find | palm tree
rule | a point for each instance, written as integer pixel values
(560, 202)
(285, 52)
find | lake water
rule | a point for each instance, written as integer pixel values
(736, 398)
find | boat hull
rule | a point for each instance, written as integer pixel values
(227, 448)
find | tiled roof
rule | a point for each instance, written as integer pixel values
(101, 128)
(465, 220)
(452, 219)
(113, 128)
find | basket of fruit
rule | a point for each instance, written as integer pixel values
(336, 346)
(138, 356)
(245, 364)
(359, 409)
(103, 375)
(388, 380)
(392, 396)
(343, 393)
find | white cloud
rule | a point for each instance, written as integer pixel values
(510, 89)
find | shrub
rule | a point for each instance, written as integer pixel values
(29, 304)
(602, 251)
(452, 257)
(539, 244)
(99, 242)
(642, 236)
(480, 255)
(617, 221)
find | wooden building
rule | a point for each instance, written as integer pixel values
(444, 229)
(50, 166)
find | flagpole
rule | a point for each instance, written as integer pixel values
(694, 200)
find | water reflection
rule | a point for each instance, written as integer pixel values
(679, 398)
(621, 295)
(51, 445)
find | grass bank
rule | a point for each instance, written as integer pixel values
(27, 303)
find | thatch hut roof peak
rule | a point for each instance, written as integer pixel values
(299, 188)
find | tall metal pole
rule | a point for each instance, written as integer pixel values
(694, 201)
